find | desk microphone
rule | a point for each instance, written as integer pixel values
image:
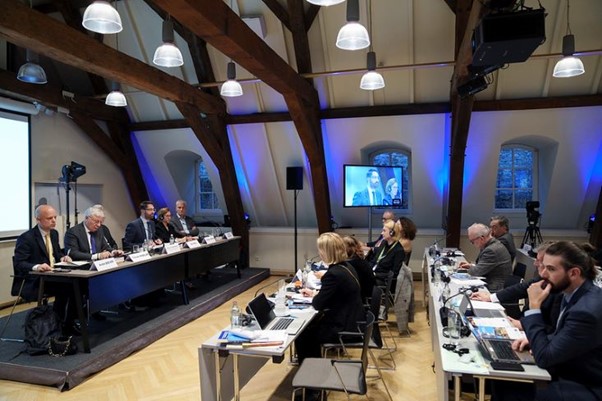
(443, 311)
(267, 285)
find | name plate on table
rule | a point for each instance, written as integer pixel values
(139, 257)
(210, 239)
(104, 264)
(192, 244)
(228, 235)
(171, 248)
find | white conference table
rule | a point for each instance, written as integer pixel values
(448, 364)
(224, 372)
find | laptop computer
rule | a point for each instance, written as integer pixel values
(465, 303)
(499, 349)
(261, 309)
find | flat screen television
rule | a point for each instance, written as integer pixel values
(372, 186)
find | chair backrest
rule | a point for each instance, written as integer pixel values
(368, 328)
(407, 258)
(519, 270)
(375, 302)
(388, 280)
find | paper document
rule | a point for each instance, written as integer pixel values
(486, 305)
(495, 327)
(73, 263)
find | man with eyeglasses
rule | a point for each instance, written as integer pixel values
(143, 228)
(493, 261)
(85, 241)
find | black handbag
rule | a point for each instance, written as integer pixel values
(62, 346)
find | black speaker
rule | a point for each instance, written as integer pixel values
(294, 178)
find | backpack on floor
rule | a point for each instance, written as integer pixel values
(41, 324)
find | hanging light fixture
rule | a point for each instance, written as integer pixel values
(372, 80)
(569, 65)
(353, 35)
(116, 98)
(31, 72)
(101, 17)
(231, 88)
(168, 54)
(325, 3)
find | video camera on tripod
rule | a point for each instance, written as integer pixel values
(533, 214)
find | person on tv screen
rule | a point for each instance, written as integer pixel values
(392, 195)
(371, 195)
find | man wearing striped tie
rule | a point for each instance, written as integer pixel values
(38, 250)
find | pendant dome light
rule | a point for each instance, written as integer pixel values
(31, 72)
(231, 88)
(101, 17)
(371, 80)
(353, 35)
(569, 65)
(168, 54)
(325, 3)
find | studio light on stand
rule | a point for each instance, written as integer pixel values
(69, 174)
(569, 65)
(101, 17)
(168, 54)
(294, 181)
(31, 72)
(353, 35)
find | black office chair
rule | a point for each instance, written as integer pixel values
(385, 282)
(519, 270)
(513, 309)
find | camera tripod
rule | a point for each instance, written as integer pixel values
(532, 236)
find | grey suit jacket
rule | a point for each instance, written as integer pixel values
(508, 241)
(494, 264)
(76, 241)
(192, 228)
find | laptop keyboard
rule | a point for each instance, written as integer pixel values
(503, 350)
(282, 323)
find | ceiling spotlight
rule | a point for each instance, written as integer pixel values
(168, 54)
(353, 35)
(231, 88)
(101, 17)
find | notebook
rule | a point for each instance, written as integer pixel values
(499, 349)
(261, 309)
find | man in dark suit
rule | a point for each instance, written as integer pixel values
(184, 224)
(573, 352)
(86, 240)
(38, 250)
(372, 195)
(493, 261)
(143, 228)
(500, 229)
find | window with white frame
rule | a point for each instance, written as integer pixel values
(206, 198)
(398, 158)
(516, 182)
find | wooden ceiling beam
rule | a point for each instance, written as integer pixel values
(310, 16)
(219, 26)
(300, 40)
(27, 28)
(280, 12)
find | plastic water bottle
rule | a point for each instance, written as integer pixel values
(235, 316)
(445, 293)
(172, 240)
(280, 308)
(453, 324)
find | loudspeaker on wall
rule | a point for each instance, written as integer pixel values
(294, 178)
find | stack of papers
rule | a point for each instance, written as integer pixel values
(495, 327)
(241, 338)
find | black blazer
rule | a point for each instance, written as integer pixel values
(391, 260)
(164, 233)
(339, 301)
(30, 250)
(365, 275)
(76, 241)
(135, 233)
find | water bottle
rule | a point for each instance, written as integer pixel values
(172, 240)
(235, 316)
(453, 324)
(280, 308)
(445, 293)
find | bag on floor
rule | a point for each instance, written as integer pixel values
(41, 324)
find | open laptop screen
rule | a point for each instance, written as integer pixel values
(261, 309)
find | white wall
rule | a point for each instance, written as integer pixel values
(55, 141)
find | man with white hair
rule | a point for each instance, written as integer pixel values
(493, 261)
(86, 240)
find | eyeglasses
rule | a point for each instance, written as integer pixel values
(150, 210)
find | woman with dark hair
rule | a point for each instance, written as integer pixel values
(164, 229)
(407, 230)
(355, 255)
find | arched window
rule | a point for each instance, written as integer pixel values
(206, 198)
(516, 177)
(395, 157)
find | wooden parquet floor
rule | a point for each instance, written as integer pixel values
(168, 369)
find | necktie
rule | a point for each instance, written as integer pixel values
(184, 225)
(372, 200)
(563, 306)
(49, 249)
(92, 243)
(149, 233)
